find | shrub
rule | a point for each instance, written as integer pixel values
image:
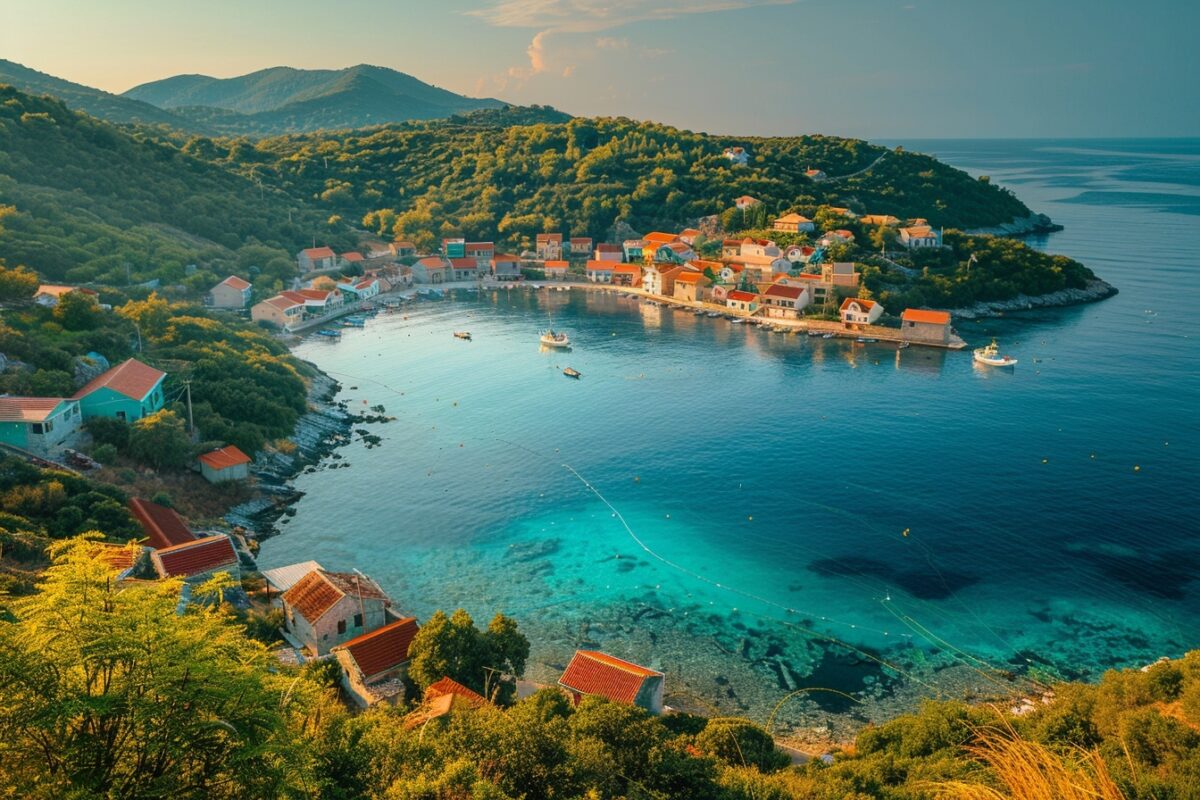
(105, 453)
(740, 743)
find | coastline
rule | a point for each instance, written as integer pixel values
(1095, 291)
(1021, 226)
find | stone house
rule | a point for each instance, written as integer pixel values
(198, 560)
(316, 259)
(595, 674)
(928, 327)
(374, 665)
(233, 292)
(324, 609)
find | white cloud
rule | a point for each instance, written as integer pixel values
(551, 17)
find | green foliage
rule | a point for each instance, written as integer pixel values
(741, 743)
(453, 647)
(160, 440)
(55, 505)
(105, 453)
(17, 283)
(109, 431)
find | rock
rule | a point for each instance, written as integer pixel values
(1094, 291)
(1021, 226)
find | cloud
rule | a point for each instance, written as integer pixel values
(554, 17)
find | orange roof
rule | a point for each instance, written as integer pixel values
(402, 245)
(382, 649)
(131, 378)
(594, 673)
(783, 290)
(28, 409)
(608, 266)
(319, 591)
(741, 297)
(353, 255)
(549, 237)
(285, 301)
(195, 557)
(234, 282)
(162, 526)
(557, 264)
(929, 317)
(224, 457)
(318, 252)
(480, 246)
(581, 240)
(319, 295)
(689, 232)
(464, 263)
(119, 557)
(793, 218)
(658, 237)
(633, 268)
(864, 305)
(450, 686)
(606, 247)
(432, 262)
(691, 277)
(746, 199)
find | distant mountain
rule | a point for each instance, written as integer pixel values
(287, 100)
(106, 106)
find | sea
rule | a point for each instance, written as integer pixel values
(815, 534)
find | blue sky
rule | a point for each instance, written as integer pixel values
(869, 68)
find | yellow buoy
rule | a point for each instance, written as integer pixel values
(906, 530)
(1136, 468)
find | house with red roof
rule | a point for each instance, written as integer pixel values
(739, 300)
(48, 294)
(233, 292)
(402, 249)
(198, 560)
(793, 223)
(579, 247)
(784, 301)
(129, 391)
(627, 275)
(432, 269)
(324, 609)
(815, 174)
(925, 326)
(857, 311)
(506, 267)
(226, 463)
(556, 270)
(355, 290)
(549, 246)
(745, 201)
(595, 674)
(375, 664)
(608, 252)
(315, 259)
(285, 310)
(600, 271)
(441, 698)
(920, 235)
(163, 527)
(351, 259)
(689, 236)
(41, 425)
(691, 287)
(464, 269)
(122, 559)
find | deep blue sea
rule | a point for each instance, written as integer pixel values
(756, 513)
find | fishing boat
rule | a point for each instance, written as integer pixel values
(462, 335)
(550, 338)
(990, 356)
(330, 332)
(571, 372)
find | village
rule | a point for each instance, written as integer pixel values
(786, 288)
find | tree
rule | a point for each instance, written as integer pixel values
(740, 743)
(106, 691)
(78, 311)
(160, 440)
(453, 647)
(17, 283)
(109, 430)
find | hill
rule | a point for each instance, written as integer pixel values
(283, 99)
(465, 177)
(84, 201)
(106, 106)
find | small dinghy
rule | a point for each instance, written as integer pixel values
(571, 372)
(826, 335)
(330, 332)
(462, 335)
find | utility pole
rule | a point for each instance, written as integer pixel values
(187, 383)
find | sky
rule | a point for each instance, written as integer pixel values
(883, 69)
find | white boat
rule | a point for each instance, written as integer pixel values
(552, 339)
(462, 335)
(827, 336)
(990, 356)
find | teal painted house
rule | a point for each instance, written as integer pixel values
(129, 391)
(41, 425)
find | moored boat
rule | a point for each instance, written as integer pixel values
(330, 332)
(990, 356)
(462, 335)
(827, 336)
(551, 339)
(571, 372)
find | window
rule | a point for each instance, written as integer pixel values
(341, 626)
(121, 415)
(358, 620)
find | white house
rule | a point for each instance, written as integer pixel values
(793, 223)
(600, 271)
(786, 301)
(856, 311)
(233, 292)
(745, 201)
(918, 236)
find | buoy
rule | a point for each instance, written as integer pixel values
(1136, 468)
(668, 516)
(637, 479)
(906, 530)
(750, 519)
(1045, 460)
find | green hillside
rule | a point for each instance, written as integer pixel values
(427, 180)
(83, 201)
(106, 106)
(284, 100)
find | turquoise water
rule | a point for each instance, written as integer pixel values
(755, 513)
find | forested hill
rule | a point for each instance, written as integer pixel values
(426, 180)
(283, 99)
(84, 201)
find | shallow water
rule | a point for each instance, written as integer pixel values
(755, 513)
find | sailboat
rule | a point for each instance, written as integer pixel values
(551, 338)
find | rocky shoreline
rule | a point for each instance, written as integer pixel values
(1095, 291)
(1021, 226)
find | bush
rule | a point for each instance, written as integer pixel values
(105, 453)
(163, 498)
(107, 430)
(740, 743)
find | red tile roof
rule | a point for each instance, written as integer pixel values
(865, 305)
(450, 686)
(595, 673)
(581, 240)
(352, 256)
(549, 237)
(119, 557)
(929, 317)
(27, 409)
(224, 457)
(383, 648)
(162, 526)
(283, 302)
(464, 263)
(319, 591)
(318, 252)
(609, 266)
(234, 282)
(691, 277)
(131, 378)
(432, 262)
(658, 237)
(741, 297)
(557, 264)
(782, 290)
(484, 246)
(606, 247)
(202, 555)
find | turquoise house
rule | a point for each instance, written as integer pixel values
(129, 391)
(41, 425)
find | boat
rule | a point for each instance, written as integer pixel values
(551, 339)
(826, 335)
(902, 346)
(571, 372)
(462, 335)
(330, 332)
(713, 314)
(815, 333)
(990, 356)
(353, 323)
(864, 340)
